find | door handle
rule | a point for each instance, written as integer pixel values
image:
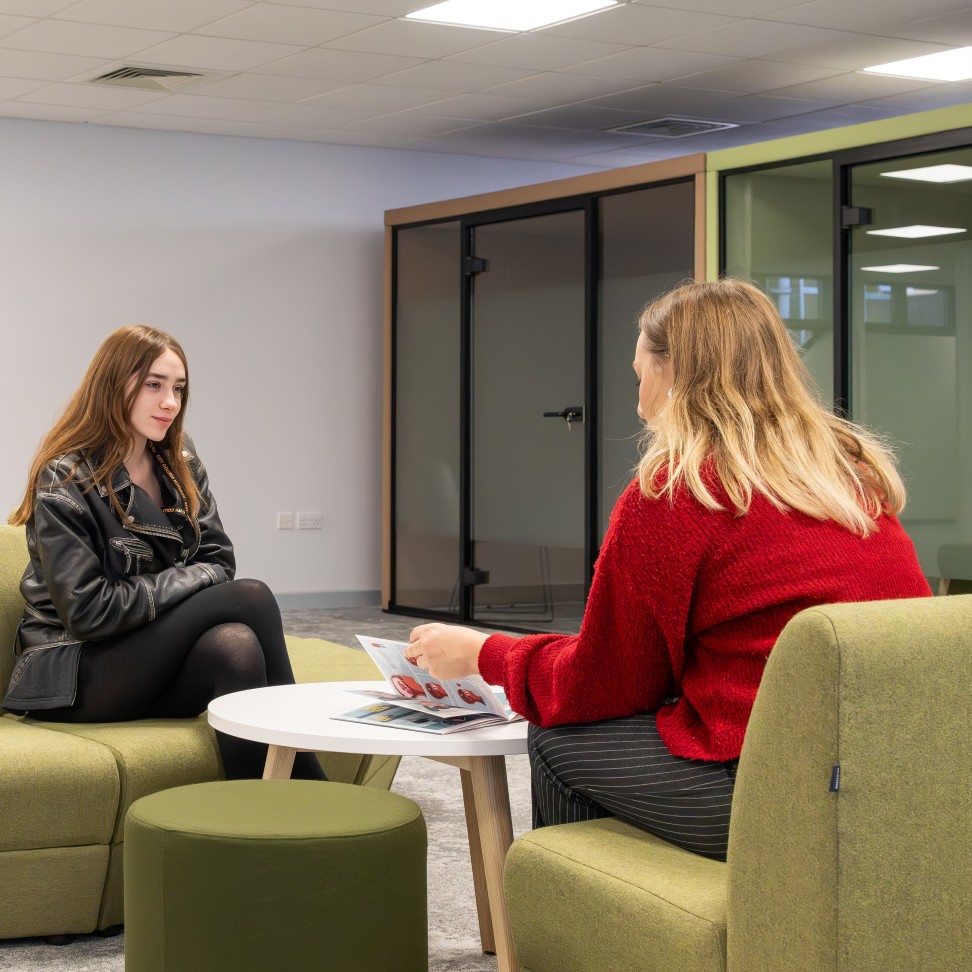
(572, 413)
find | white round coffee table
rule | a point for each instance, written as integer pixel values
(298, 717)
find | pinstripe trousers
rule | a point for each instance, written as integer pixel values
(621, 768)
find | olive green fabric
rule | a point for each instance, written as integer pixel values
(151, 754)
(783, 835)
(55, 791)
(54, 891)
(623, 900)
(13, 561)
(69, 786)
(876, 875)
(275, 874)
(868, 877)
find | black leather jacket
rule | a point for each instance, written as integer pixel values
(93, 576)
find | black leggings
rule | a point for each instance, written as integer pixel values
(223, 639)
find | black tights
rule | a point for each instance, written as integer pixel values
(223, 639)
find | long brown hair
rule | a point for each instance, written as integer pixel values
(744, 401)
(96, 422)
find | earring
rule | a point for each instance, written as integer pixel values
(669, 393)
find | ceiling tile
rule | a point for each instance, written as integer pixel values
(15, 87)
(477, 106)
(9, 24)
(66, 113)
(265, 87)
(644, 64)
(384, 8)
(91, 40)
(953, 29)
(662, 99)
(635, 24)
(540, 52)
(859, 51)
(847, 89)
(752, 76)
(33, 8)
(534, 143)
(927, 99)
(196, 106)
(346, 66)
(138, 119)
(758, 108)
(582, 117)
(312, 116)
(288, 25)
(409, 125)
(92, 96)
(738, 8)
(752, 38)
(215, 53)
(420, 40)
(47, 67)
(453, 76)
(551, 88)
(372, 97)
(863, 17)
(249, 129)
(826, 119)
(174, 15)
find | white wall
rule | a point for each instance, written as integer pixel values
(264, 258)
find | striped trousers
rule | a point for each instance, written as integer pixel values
(621, 768)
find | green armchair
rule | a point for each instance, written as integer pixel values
(865, 868)
(65, 789)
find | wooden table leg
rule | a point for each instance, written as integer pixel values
(492, 799)
(279, 764)
(476, 858)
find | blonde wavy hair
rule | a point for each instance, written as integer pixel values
(743, 408)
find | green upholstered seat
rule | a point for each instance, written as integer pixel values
(66, 788)
(870, 877)
(250, 875)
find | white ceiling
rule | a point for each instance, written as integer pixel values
(353, 72)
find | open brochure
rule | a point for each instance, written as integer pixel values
(416, 700)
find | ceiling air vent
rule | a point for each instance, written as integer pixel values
(153, 79)
(672, 127)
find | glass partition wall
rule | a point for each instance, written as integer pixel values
(879, 239)
(513, 419)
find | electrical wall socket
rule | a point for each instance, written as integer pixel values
(310, 521)
(285, 521)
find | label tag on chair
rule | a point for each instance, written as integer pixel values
(835, 778)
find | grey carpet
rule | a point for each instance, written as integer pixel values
(453, 928)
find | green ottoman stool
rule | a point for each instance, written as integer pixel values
(288, 875)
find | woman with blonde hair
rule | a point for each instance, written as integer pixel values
(751, 502)
(131, 606)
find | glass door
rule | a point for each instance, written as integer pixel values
(528, 408)
(910, 315)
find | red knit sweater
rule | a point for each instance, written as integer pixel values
(688, 602)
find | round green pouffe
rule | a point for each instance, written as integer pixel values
(279, 875)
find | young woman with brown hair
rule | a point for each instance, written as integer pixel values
(132, 610)
(751, 503)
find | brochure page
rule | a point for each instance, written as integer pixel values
(415, 688)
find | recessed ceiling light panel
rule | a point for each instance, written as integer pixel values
(901, 268)
(934, 173)
(917, 231)
(954, 65)
(513, 15)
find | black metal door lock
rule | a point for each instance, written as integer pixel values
(572, 413)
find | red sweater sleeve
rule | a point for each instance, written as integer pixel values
(629, 654)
